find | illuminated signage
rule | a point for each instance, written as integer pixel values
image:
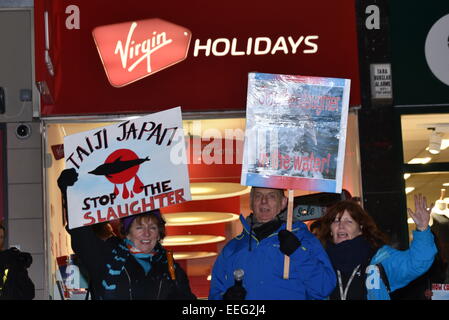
(134, 50)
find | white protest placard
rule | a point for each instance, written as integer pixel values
(127, 168)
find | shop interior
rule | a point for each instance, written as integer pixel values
(196, 230)
(425, 143)
(426, 156)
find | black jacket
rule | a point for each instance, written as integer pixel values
(132, 283)
(15, 284)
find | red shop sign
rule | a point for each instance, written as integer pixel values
(113, 57)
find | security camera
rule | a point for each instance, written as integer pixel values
(23, 131)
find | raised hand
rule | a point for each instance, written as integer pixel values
(67, 178)
(421, 216)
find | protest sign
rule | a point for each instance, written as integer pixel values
(127, 168)
(295, 135)
(440, 291)
(295, 132)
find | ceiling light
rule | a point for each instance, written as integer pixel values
(409, 189)
(446, 184)
(444, 144)
(435, 141)
(406, 176)
(420, 160)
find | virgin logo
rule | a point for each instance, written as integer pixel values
(134, 50)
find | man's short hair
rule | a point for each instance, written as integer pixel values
(280, 191)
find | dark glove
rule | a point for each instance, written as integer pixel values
(236, 292)
(67, 178)
(13, 257)
(288, 242)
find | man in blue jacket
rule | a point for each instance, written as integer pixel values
(259, 252)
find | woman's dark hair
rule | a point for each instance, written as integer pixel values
(369, 228)
(152, 216)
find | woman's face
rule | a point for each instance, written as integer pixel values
(144, 235)
(344, 227)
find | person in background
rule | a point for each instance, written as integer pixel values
(15, 284)
(366, 267)
(421, 288)
(136, 267)
(314, 227)
(104, 230)
(259, 252)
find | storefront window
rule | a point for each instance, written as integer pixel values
(426, 171)
(425, 138)
(196, 230)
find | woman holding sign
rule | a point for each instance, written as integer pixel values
(367, 268)
(134, 268)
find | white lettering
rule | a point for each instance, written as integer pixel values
(281, 45)
(372, 278)
(212, 153)
(73, 20)
(227, 46)
(314, 46)
(372, 21)
(194, 310)
(294, 44)
(249, 46)
(199, 47)
(257, 50)
(143, 49)
(254, 46)
(234, 51)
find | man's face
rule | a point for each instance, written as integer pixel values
(267, 203)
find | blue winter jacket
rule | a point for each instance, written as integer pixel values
(401, 266)
(311, 273)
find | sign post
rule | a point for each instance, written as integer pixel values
(289, 228)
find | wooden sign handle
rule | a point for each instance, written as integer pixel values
(289, 228)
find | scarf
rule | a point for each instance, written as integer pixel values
(121, 254)
(347, 255)
(115, 267)
(262, 230)
(144, 259)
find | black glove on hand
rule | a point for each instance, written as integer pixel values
(67, 178)
(235, 292)
(288, 242)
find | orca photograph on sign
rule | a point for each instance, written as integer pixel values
(295, 132)
(127, 168)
